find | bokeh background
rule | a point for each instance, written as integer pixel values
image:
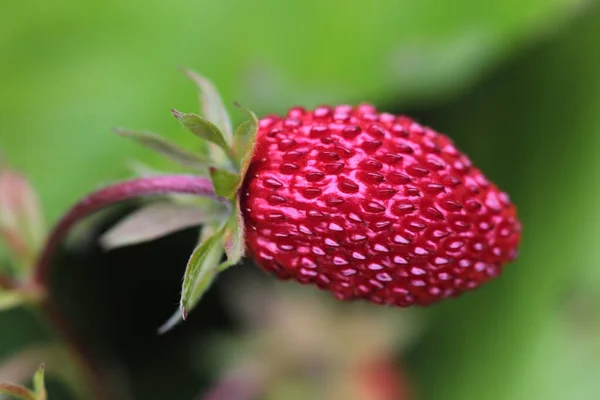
(515, 83)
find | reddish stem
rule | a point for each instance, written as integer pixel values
(148, 186)
(135, 188)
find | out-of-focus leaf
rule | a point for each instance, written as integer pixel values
(224, 182)
(11, 298)
(154, 221)
(169, 150)
(58, 362)
(22, 225)
(17, 391)
(211, 103)
(39, 385)
(22, 393)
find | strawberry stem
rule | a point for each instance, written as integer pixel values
(135, 188)
(147, 186)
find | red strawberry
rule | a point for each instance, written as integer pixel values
(364, 204)
(372, 205)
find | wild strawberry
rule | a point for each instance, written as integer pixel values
(361, 203)
(372, 205)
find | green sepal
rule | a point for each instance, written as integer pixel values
(153, 221)
(17, 391)
(178, 317)
(167, 149)
(200, 272)
(212, 105)
(233, 236)
(39, 386)
(206, 130)
(245, 135)
(225, 183)
(205, 264)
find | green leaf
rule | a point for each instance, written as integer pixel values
(201, 270)
(224, 182)
(233, 236)
(153, 221)
(206, 130)
(212, 105)
(10, 299)
(169, 150)
(38, 384)
(245, 134)
(17, 391)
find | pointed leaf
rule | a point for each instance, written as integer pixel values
(11, 298)
(16, 391)
(224, 182)
(152, 222)
(206, 130)
(211, 103)
(245, 134)
(167, 149)
(200, 272)
(233, 237)
(39, 385)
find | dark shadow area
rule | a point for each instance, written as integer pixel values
(116, 300)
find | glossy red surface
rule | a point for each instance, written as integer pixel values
(372, 205)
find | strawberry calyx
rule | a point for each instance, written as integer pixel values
(226, 163)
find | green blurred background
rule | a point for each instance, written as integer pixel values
(515, 83)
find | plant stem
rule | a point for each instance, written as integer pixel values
(135, 188)
(111, 195)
